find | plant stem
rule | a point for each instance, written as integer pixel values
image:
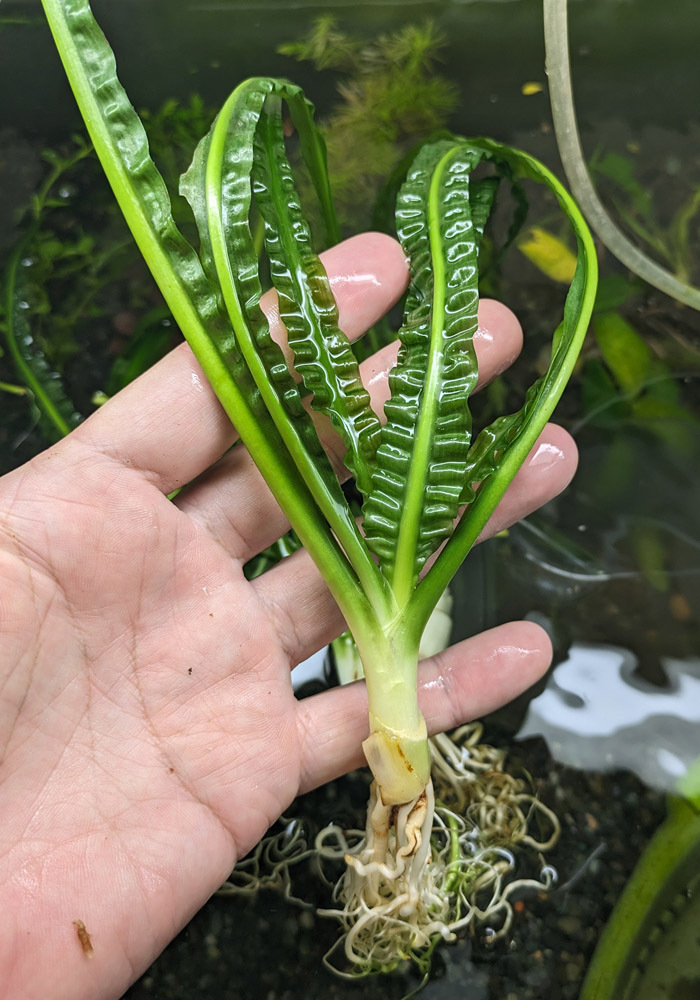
(564, 115)
(397, 748)
(41, 396)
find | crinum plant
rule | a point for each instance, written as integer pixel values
(428, 482)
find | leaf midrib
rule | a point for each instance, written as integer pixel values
(409, 529)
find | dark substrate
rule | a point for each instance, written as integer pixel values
(268, 949)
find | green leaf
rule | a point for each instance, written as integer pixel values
(500, 449)
(425, 462)
(619, 169)
(614, 290)
(218, 187)
(666, 873)
(120, 141)
(625, 353)
(323, 356)
(602, 402)
(482, 196)
(57, 414)
(419, 475)
(122, 147)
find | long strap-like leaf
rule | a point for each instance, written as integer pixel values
(218, 186)
(121, 144)
(420, 461)
(57, 413)
(500, 449)
(323, 356)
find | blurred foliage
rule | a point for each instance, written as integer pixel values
(676, 242)
(548, 253)
(626, 377)
(80, 314)
(631, 377)
(391, 97)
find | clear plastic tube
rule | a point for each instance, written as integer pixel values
(562, 100)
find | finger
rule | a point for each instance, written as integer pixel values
(548, 469)
(306, 615)
(169, 423)
(463, 683)
(232, 501)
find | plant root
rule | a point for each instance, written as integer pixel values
(443, 862)
(268, 865)
(420, 872)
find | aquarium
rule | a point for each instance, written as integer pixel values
(608, 741)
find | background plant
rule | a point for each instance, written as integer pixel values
(391, 97)
(80, 315)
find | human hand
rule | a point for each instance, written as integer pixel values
(148, 727)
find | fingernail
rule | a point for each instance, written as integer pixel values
(546, 456)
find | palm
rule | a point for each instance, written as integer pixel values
(150, 730)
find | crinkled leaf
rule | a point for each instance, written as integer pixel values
(482, 195)
(424, 444)
(500, 449)
(424, 466)
(121, 144)
(323, 356)
(218, 186)
(219, 189)
(57, 414)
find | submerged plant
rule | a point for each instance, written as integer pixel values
(51, 407)
(67, 269)
(391, 97)
(654, 914)
(429, 483)
(564, 116)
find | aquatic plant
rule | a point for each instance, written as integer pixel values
(63, 277)
(655, 901)
(429, 485)
(565, 126)
(42, 383)
(390, 98)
